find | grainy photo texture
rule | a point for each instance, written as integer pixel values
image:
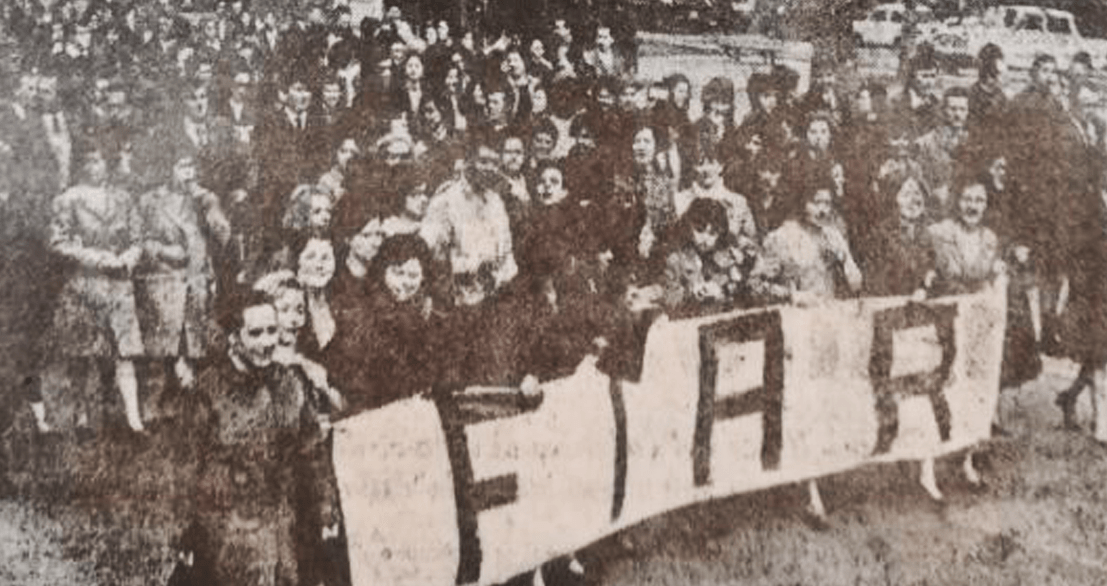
(553, 292)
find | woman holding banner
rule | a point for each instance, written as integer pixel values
(802, 262)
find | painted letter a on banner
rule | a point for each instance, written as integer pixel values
(887, 390)
(766, 398)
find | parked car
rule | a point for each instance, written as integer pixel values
(1022, 32)
(883, 25)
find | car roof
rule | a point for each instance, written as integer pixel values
(899, 6)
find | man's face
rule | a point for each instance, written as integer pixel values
(709, 172)
(332, 94)
(485, 168)
(184, 172)
(957, 111)
(513, 156)
(718, 112)
(1078, 73)
(561, 29)
(543, 145)
(818, 135)
(27, 92)
(413, 68)
(196, 103)
(497, 105)
(604, 40)
(768, 180)
(443, 30)
(242, 87)
(299, 97)
(47, 93)
(1045, 77)
(397, 52)
(926, 81)
(257, 339)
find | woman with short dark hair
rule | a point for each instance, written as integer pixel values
(383, 350)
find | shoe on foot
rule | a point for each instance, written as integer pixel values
(816, 520)
(1066, 400)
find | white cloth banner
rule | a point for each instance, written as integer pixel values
(463, 490)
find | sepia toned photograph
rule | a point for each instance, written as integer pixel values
(553, 292)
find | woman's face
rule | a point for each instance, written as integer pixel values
(551, 186)
(644, 147)
(413, 68)
(404, 280)
(346, 153)
(767, 101)
(539, 101)
(681, 95)
(705, 237)
(291, 315)
(431, 116)
(820, 209)
(973, 204)
(320, 211)
(316, 264)
(1001, 69)
(818, 135)
(910, 201)
(415, 202)
(998, 171)
(365, 244)
(453, 79)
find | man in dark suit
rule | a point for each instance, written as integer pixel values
(286, 148)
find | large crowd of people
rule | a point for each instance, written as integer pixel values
(298, 218)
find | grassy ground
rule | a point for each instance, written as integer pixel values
(106, 512)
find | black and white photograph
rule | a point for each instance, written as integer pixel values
(553, 292)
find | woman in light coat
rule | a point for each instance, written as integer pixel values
(97, 229)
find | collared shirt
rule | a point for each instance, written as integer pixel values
(470, 229)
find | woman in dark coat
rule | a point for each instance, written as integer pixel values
(383, 350)
(899, 259)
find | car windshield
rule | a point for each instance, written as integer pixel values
(1032, 22)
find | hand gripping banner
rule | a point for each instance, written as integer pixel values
(465, 491)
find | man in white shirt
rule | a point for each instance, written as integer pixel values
(467, 223)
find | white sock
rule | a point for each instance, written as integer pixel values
(970, 471)
(814, 499)
(927, 480)
(127, 382)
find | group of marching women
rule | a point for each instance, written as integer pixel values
(292, 219)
